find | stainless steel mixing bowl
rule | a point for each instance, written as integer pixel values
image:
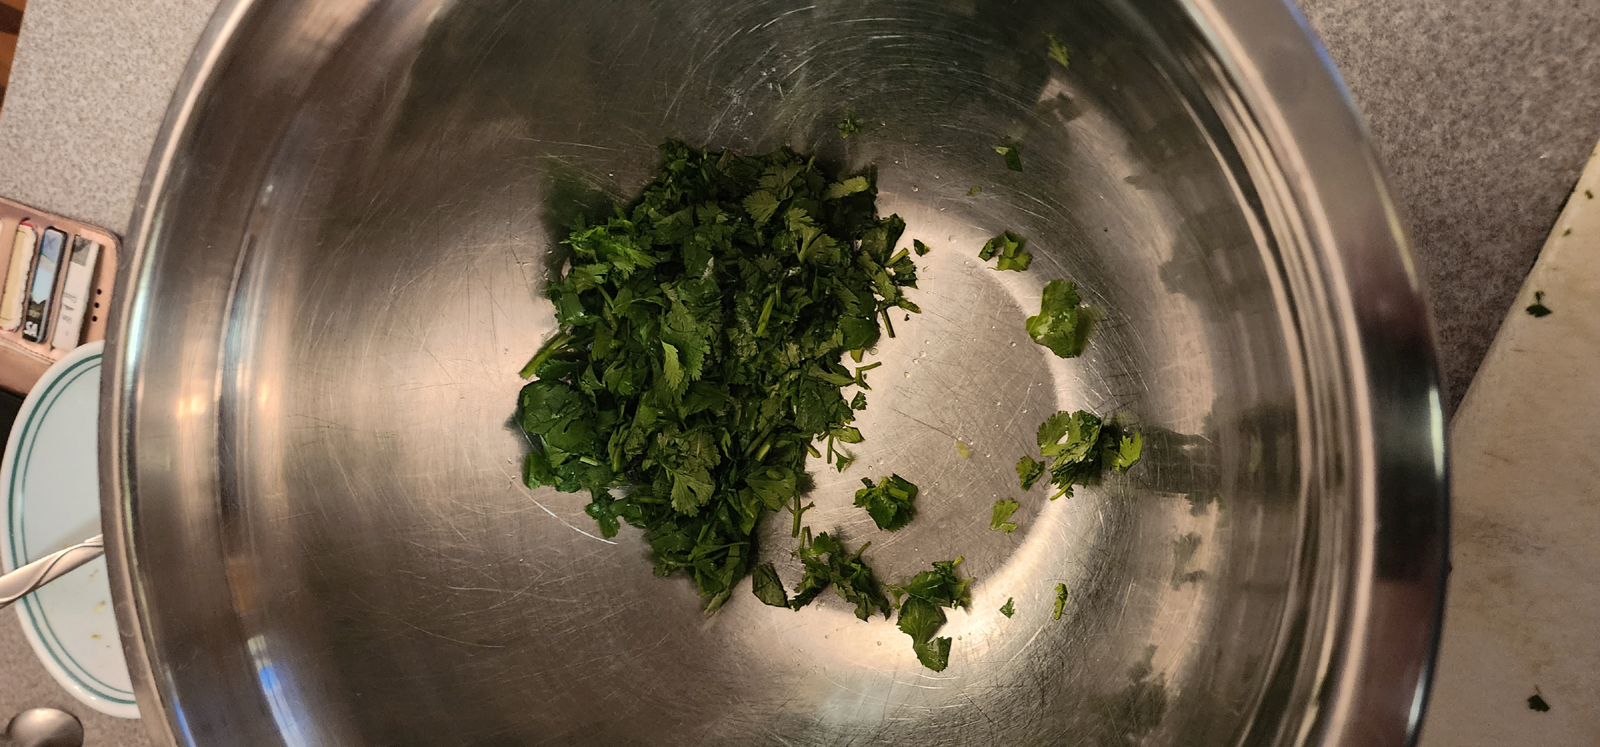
(316, 529)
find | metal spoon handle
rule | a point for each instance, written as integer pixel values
(25, 580)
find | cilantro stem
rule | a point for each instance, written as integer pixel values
(798, 512)
(552, 346)
(766, 312)
(887, 323)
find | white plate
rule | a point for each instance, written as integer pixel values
(50, 493)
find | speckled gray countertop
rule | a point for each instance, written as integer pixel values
(1483, 112)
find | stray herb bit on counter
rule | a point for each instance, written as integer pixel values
(764, 583)
(1538, 309)
(1058, 50)
(848, 126)
(1011, 151)
(1009, 608)
(827, 563)
(1010, 248)
(920, 248)
(1588, 193)
(1061, 601)
(922, 601)
(700, 333)
(975, 189)
(890, 503)
(1000, 517)
(1536, 702)
(964, 450)
(1063, 323)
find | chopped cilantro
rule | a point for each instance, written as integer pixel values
(1011, 151)
(1061, 601)
(1000, 517)
(1009, 608)
(1077, 445)
(1010, 248)
(1058, 50)
(848, 126)
(1063, 323)
(974, 190)
(921, 248)
(889, 503)
(1536, 702)
(1538, 309)
(964, 450)
(701, 330)
(827, 563)
(922, 601)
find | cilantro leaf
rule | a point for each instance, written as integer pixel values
(1058, 50)
(1071, 436)
(1009, 247)
(1029, 470)
(1009, 608)
(1000, 517)
(765, 585)
(1537, 309)
(1012, 153)
(1129, 448)
(889, 503)
(921, 248)
(934, 654)
(1061, 601)
(848, 126)
(1063, 324)
(846, 188)
(922, 610)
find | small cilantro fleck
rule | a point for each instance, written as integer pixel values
(1010, 248)
(920, 248)
(1061, 601)
(1011, 151)
(1538, 309)
(848, 126)
(1063, 323)
(974, 190)
(1536, 702)
(964, 450)
(1589, 193)
(1009, 608)
(1058, 50)
(1000, 517)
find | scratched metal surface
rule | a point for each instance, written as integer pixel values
(325, 448)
